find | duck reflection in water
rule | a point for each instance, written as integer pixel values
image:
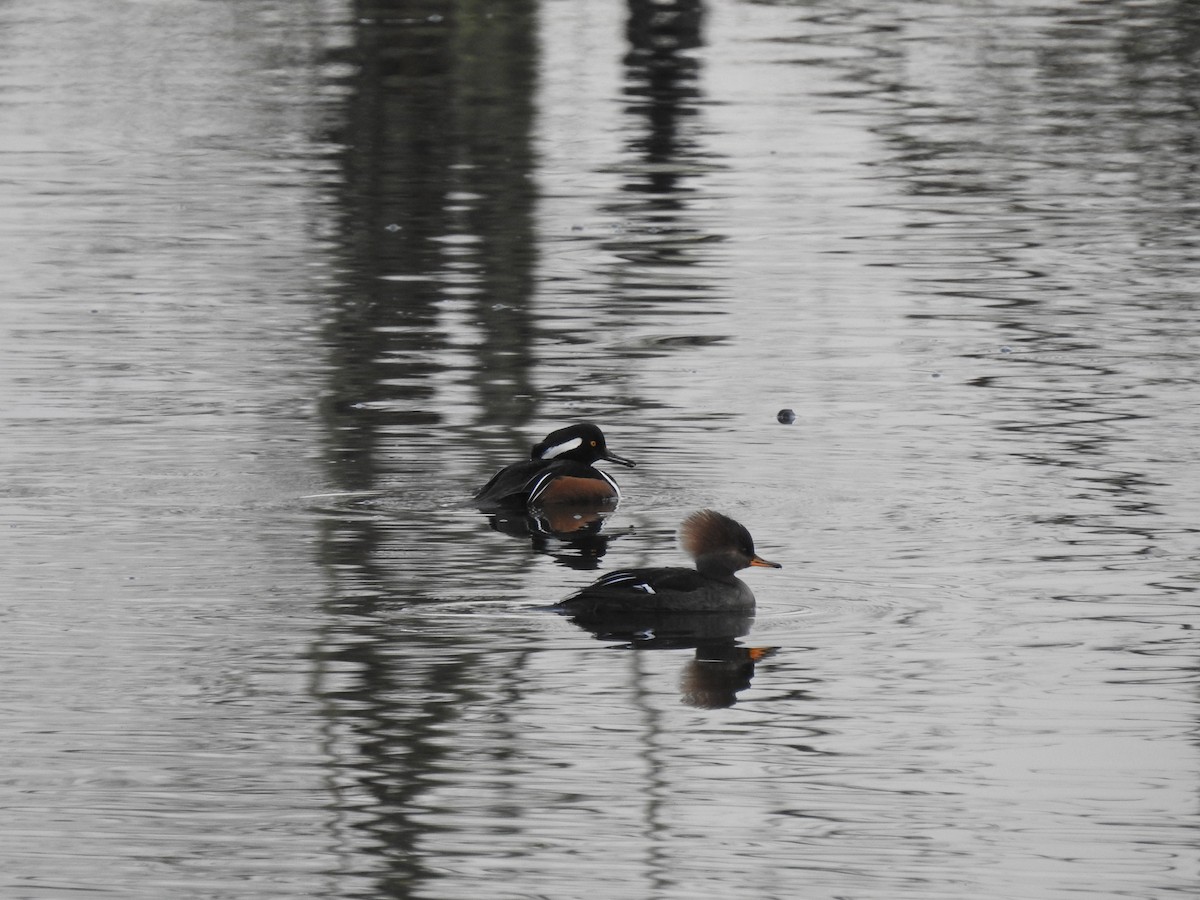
(707, 608)
(557, 494)
(570, 534)
(721, 667)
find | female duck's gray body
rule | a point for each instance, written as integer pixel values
(720, 547)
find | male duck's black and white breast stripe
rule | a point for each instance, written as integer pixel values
(572, 482)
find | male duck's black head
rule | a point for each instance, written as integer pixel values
(582, 443)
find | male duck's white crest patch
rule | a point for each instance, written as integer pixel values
(564, 447)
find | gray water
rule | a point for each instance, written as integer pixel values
(284, 282)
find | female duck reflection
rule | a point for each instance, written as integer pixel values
(707, 608)
(558, 492)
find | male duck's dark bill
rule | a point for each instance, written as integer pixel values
(620, 460)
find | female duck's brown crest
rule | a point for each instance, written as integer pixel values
(707, 531)
(719, 545)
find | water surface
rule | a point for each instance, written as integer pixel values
(284, 282)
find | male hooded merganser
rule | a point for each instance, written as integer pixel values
(559, 470)
(720, 547)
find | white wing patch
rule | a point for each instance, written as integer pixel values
(560, 449)
(625, 579)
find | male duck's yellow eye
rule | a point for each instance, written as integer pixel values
(593, 443)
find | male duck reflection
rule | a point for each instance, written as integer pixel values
(559, 471)
(720, 547)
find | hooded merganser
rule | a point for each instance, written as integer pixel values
(559, 470)
(720, 547)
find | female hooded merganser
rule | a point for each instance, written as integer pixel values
(559, 470)
(720, 547)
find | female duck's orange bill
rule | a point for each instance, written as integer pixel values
(759, 561)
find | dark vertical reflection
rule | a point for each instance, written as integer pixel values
(666, 153)
(664, 246)
(437, 257)
(436, 216)
(432, 322)
(662, 86)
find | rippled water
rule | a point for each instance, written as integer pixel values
(284, 282)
